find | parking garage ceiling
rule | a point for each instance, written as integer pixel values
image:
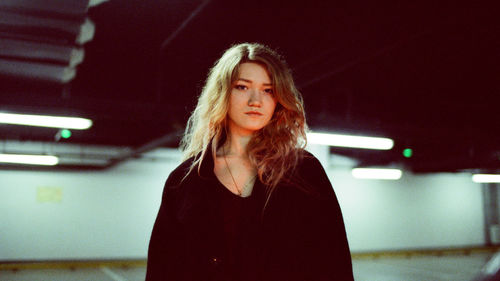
(425, 74)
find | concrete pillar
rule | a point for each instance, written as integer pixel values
(491, 213)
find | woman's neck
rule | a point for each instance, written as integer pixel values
(236, 145)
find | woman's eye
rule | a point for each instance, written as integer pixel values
(241, 87)
(269, 91)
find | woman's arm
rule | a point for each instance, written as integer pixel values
(330, 257)
(166, 254)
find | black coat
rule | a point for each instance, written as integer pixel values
(302, 233)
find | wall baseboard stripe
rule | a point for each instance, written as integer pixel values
(437, 252)
(72, 265)
(75, 264)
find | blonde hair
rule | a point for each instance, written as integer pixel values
(275, 149)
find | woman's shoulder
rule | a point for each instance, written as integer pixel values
(179, 173)
(310, 175)
(308, 162)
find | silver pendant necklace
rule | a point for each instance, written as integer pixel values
(229, 170)
(240, 191)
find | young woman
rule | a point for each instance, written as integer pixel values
(248, 202)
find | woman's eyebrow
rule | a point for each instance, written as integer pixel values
(250, 81)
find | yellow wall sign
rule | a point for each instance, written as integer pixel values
(48, 194)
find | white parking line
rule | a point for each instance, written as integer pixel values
(113, 275)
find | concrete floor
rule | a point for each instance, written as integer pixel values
(445, 268)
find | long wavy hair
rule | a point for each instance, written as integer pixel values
(273, 150)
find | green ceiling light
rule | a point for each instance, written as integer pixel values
(65, 133)
(408, 152)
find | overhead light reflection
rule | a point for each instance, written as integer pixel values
(380, 174)
(486, 178)
(47, 160)
(76, 123)
(350, 141)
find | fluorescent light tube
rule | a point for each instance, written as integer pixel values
(350, 141)
(46, 160)
(46, 121)
(485, 178)
(381, 174)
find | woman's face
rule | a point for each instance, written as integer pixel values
(252, 100)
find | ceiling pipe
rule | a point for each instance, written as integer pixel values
(93, 3)
(170, 38)
(137, 152)
(31, 50)
(86, 33)
(39, 71)
(341, 68)
(184, 24)
(54, 8)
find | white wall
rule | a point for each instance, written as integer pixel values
(109, 214)
(425, 211)
(103, 214)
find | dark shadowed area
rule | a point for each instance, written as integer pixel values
(423, 74)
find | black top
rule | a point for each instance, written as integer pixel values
(241, 223)
(203, 232)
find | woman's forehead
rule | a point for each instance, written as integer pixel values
(250, 69)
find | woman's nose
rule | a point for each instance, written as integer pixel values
(255, 98)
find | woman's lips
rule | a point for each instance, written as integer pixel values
(253, 113)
